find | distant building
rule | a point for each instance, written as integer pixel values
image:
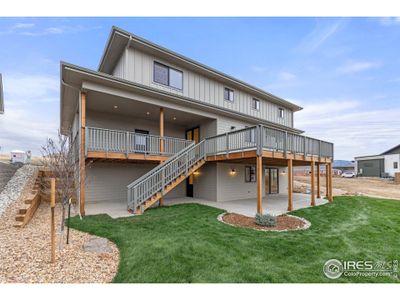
(1, 96)
(385, 164)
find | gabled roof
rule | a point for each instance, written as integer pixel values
(1, 96)
(394, 150)
(119, 39)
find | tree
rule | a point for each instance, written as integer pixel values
(60, 159)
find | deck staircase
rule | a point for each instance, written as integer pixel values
(152, 186)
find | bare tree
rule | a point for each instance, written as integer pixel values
(60, 159)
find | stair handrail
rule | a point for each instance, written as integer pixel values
(159, 179)
(155, 169)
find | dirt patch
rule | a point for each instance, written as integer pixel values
(368, 186)
(25, 253)
(283, 222)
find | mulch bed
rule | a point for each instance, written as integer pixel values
(283, 222)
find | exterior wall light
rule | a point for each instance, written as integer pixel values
(232, 172)
(115, 106)
(283, 173)
(196, 173)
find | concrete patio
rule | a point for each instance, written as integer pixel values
(275, 204)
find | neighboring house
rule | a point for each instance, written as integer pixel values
(382, 165)
(155, 125)
(1, 96)
(344, 165)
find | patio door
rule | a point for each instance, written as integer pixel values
(192, 135)
(141, 140)
(271, 180)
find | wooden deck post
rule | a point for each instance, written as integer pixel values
(161, 129)
(318, 181)
(161, 201)
(259, 184)
(53, 226)
(82, 158)
(290, 185)
(327, 181)
(330, 183)
(312, 182)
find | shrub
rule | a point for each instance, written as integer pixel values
(266, 220)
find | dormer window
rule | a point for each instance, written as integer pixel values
(281, 112)
(228, 94)
(168, 76)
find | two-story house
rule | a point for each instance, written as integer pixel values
(151, 124)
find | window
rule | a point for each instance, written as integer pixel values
(281, 111)
(175, 78)
(256, 104)
(167, 76)
(228, 94)
(250, 174)
(395, 165)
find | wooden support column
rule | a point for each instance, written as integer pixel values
(82, 158)
(318, 181)
(259, 184)
(327, 181)
(312, 182)
(161, 129)
(53, 226)
(161, 201)
(330, 183)
(290, 185)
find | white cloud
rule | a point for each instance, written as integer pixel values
(320, 34)
(23, 25)
(354, 129)
(358, 66)
(388, 21)
(258, 69)
(30, 29)
(287, 75)
(28, 119)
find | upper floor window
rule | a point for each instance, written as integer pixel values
(228, 94)
(168, 76)
(281, 112)
(255, 104)
(395, 165)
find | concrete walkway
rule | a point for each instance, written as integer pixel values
(272, 204)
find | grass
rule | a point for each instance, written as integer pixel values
(186, 243)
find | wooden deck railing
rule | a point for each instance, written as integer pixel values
(109, 140)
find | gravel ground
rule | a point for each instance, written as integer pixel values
(368, 186)
(25, 252)
(15, 186)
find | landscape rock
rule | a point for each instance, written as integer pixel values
(97, 245)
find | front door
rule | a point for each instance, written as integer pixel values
(141, 140)
(192, 135)
(271, 180)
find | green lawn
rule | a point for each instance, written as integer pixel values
(186, 243)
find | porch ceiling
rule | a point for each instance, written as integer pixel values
(106, 103)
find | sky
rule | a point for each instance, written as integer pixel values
(344, 72)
